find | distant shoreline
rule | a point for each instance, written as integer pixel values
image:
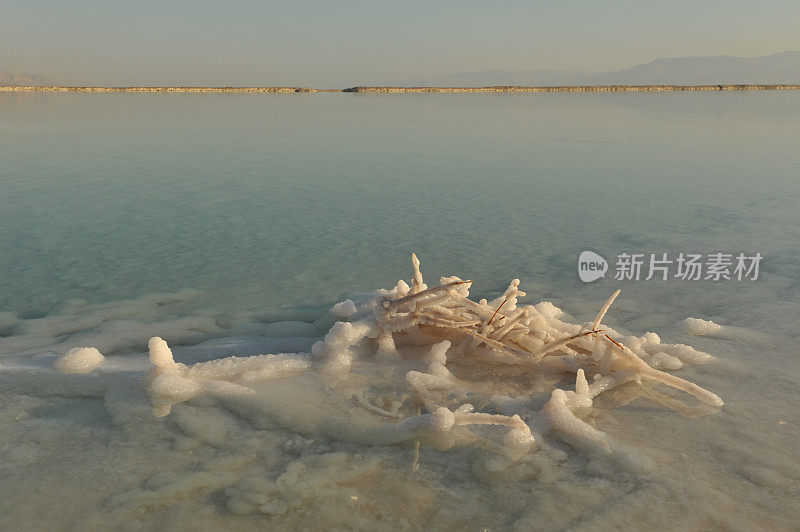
(388, 90)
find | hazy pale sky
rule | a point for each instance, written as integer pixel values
(346, 42)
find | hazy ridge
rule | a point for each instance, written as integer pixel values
(783, 67)
(779, 68)
(20, 79)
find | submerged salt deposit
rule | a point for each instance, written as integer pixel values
(418, 405)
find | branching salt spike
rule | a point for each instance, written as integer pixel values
(476, 350)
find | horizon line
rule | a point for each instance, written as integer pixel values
(377, 89)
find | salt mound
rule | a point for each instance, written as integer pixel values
(699, 327)
(79, 360)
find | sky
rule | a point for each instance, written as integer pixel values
(343, 43)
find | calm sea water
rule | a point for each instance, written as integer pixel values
(300, 198)
(276, 206)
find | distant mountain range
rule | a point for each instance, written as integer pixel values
(16, 78)
(783, 67)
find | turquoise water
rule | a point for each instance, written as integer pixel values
(298, 199)
(270, 208)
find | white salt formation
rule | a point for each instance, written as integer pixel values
(79, 360)
(430, 365)
(699, 327)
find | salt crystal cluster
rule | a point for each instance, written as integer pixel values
(428, 364)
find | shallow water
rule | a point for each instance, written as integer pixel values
(258, 209)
